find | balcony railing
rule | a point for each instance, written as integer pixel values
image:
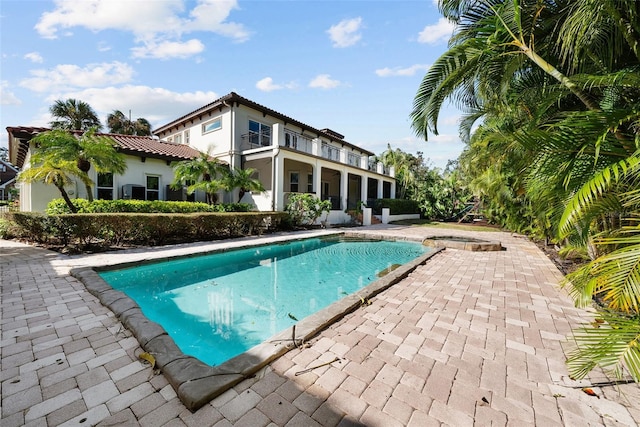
(330, 152)
(255, 140)
(298, 142)
(354, 160)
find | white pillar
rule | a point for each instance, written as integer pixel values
(366, 216)
(278, 188)
(380, 188)
(344, 185)
(385, 215)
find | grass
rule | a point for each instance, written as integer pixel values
(448, 225)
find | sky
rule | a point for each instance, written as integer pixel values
(353, 66)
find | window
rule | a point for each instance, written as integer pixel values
(294, 179)
(186, 136)
(211, 125)
(178, 138)
(105, 186)
(259, 134)
(153, 187)
(310, 183)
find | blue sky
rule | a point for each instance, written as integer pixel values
(351, 66)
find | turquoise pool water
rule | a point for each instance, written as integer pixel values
(219, 305)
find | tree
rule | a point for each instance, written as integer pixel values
(86, 150)
(305, 209)
(556, 86)
(119, 123)
(59, 174)
(72, 114)
(200, 173)
(243, 180)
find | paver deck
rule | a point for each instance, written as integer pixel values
(468, 338)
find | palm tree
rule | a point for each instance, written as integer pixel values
(119, 123)
(556, 84)
(58, 146)
(59, 174)
(243, 180)
(403, 164)
(72, 114)
(199, 173)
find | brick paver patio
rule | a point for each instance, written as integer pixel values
(469, 338)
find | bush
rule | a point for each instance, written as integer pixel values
(107, 229)
(58, 206)
(305, 209)
(396, 206)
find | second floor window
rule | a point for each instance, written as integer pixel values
(211, 125)
(259, 133)
(178, 138)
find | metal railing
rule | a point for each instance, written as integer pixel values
(255, 140)
(330, 152)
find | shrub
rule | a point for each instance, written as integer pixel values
(58, 206)
(107, 229)
(396, 206)
(305, 209)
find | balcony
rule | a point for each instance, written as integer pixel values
(255, 140)
(330, 152)
(354, 160)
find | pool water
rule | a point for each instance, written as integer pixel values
(218, 306)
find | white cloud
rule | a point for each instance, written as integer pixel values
(435, 33)
(34, 57)
(346, 33)
(158, 105)
(6, 96)
(153, 23)
(451, 120)
(397, 71)
(267, 85)
(168, 49)
(324, 81)
(69, 76)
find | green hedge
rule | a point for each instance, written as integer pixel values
(107, 229)
(396, 206)
(58, 206)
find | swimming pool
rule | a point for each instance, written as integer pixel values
(195, 382)
(218, 306)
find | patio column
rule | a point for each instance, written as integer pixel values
(278, 184)
(344, 189)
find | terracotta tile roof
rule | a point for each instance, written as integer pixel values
(137, 145)
(129, 144)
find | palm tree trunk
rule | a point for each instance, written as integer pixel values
(66, 198)
(89, 192)
(556, 74)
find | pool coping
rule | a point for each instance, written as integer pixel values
(197, 383)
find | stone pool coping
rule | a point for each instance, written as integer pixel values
(197, 383)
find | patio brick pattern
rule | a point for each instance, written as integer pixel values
(468, 338)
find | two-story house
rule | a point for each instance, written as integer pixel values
(288, 156)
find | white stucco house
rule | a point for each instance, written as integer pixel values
(289, 157)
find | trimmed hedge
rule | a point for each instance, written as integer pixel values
(396, 206)
(107, 229)
(58, 206)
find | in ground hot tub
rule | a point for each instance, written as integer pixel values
(464, 243)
